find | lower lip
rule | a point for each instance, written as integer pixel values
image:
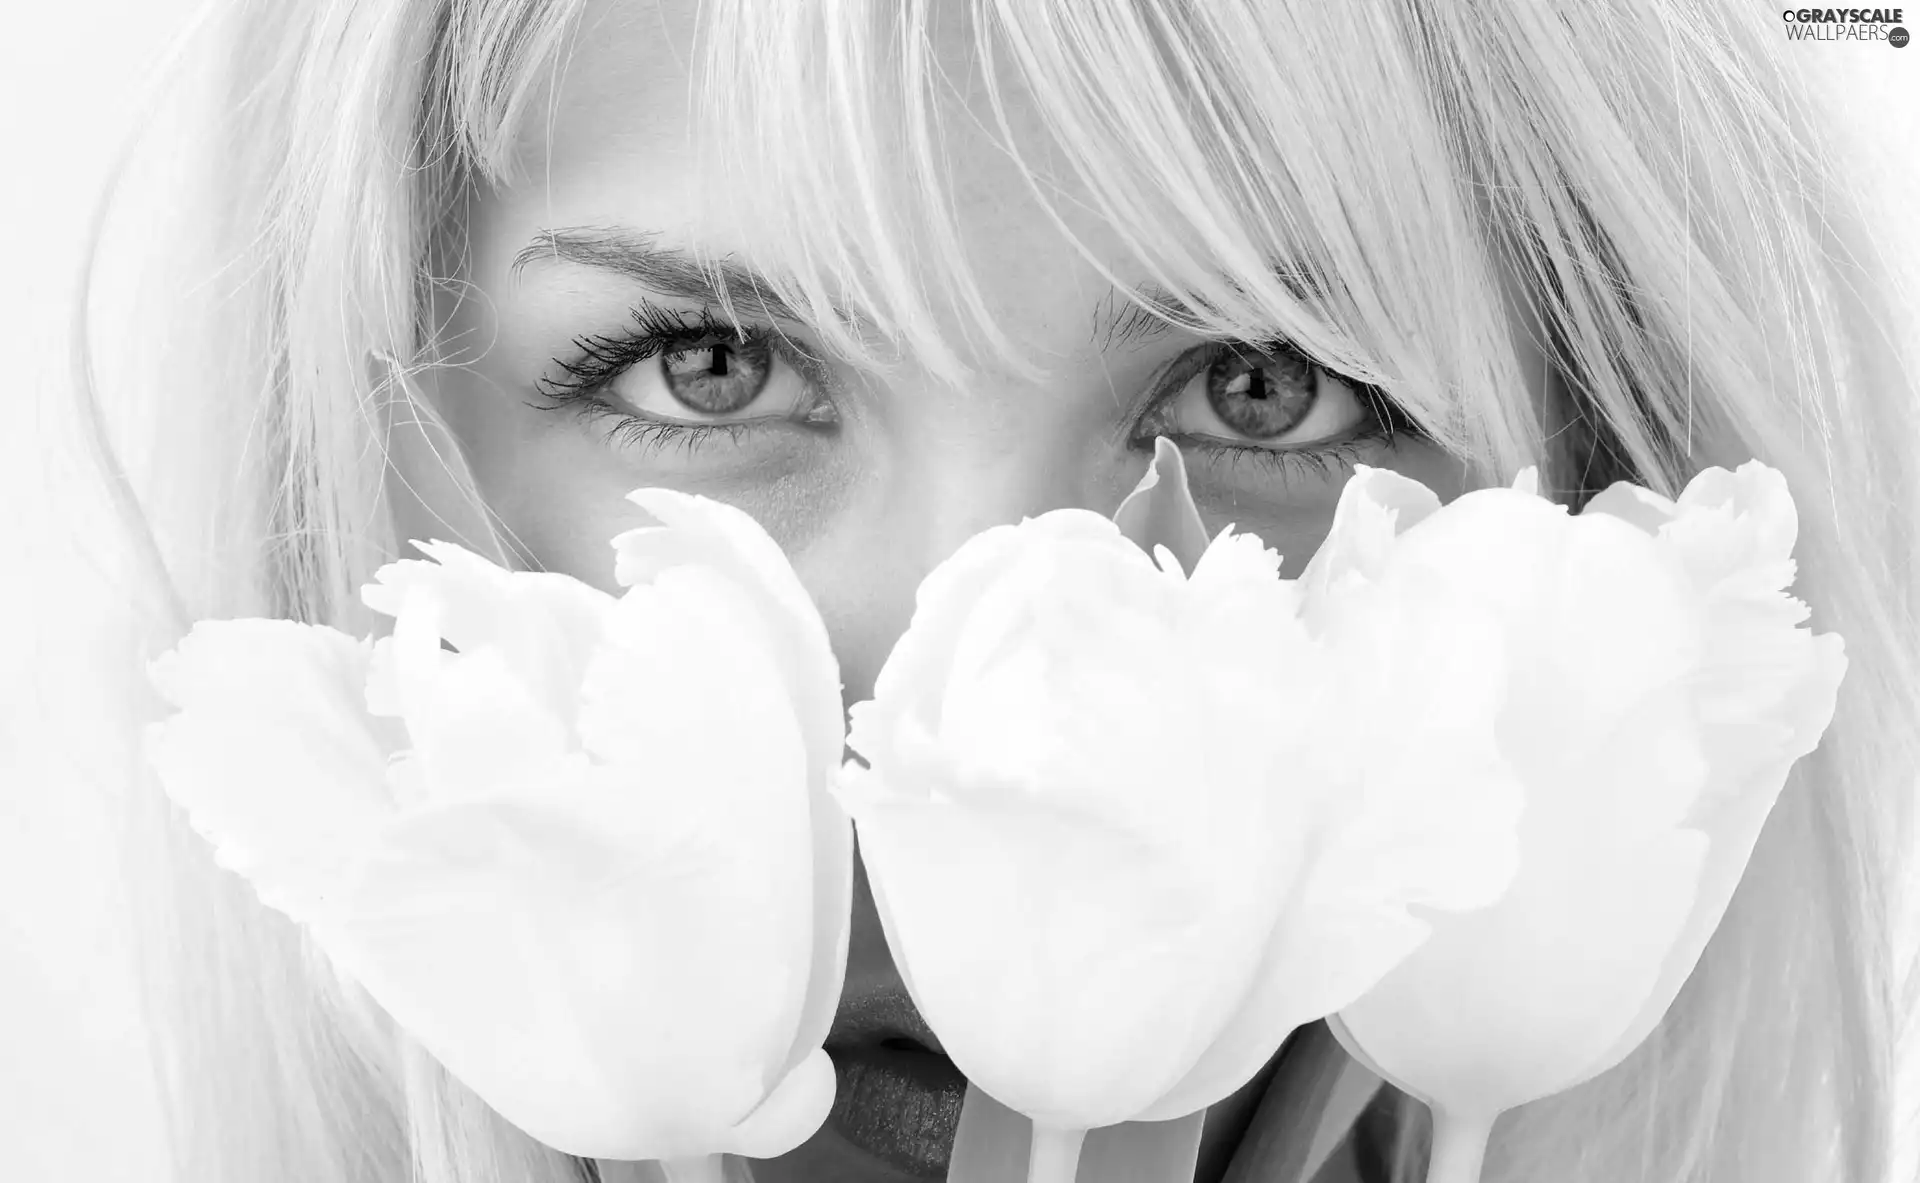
(901, 1106)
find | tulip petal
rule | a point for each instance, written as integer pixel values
(724, 729)
(1768, 696)
(1432, 816)
(833, 854)
(1641, 507)
(1736, 526)
(1059, 730)
(1594, 617)
(1268, 1013)
(1032, 671)
(854, 791)
(1659, 693)
(1508, 1004)
(609, 942)
(1737, 818)
(1430, 821)
(914, 679)
(1242, 569)
(1094, 876)
(1733, 532)
(1376, 504)
(697, 530)
(1571, 966)
(271, 754)
(476, 731)
(700, 530)
(793, 1111)
(472, 721)
(721, 732)
(595, 902)
(1427, 819)
(543, 624)
(1520, 1000)
(691, 836)
(1160, 510)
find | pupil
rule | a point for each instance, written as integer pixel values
(1261, 395)
(717, 379)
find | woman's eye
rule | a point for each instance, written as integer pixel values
(716, 380)
(1272, 397)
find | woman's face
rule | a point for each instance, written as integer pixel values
(867, 484)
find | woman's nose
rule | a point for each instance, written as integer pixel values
(949, 469)
(865, 570)
(865, 567)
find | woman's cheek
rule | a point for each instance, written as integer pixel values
(558, 482)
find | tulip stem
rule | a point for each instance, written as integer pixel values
(1459, 1148)
(1054, 1156)
(701, 1168)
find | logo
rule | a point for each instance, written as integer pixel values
(1846, 24)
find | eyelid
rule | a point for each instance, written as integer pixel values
(1173, 377)
(1212, 349)
(810, 363)
(653, 329)
(1381, 410)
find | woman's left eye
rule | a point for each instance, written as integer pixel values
(1270, 397)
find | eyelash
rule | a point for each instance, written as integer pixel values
(1384, 422)
(599, 359)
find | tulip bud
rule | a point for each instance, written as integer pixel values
(1659, 689)
(1116, 828)
(615, 913)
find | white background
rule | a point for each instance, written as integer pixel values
(73, 1098)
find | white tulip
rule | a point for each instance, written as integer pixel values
(587, 859)
(1128, 826)
(1659, 690)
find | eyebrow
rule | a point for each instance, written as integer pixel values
(666, 270)
(1118, 321)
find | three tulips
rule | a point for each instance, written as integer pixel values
(1476, 788)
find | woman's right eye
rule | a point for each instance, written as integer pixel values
(675, 369)
(714, 381)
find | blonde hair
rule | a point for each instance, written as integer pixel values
(1382, 181)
